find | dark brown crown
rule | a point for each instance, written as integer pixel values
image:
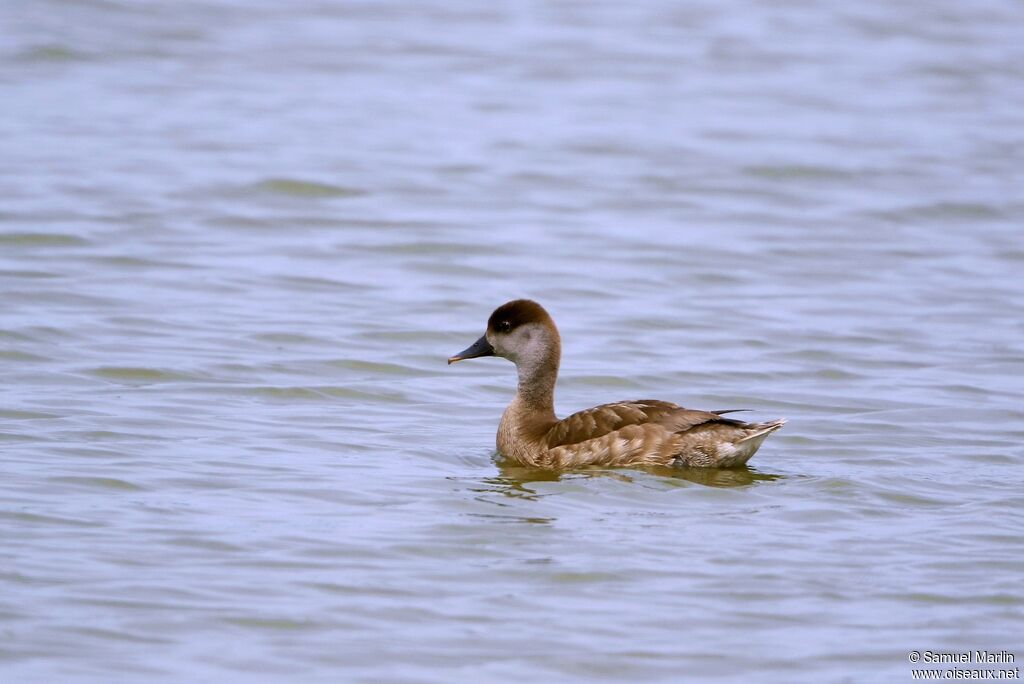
(511, 315)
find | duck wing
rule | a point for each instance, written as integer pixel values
(602, 420)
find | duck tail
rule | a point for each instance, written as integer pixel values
(763, 429)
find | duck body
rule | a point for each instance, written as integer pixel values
(631, 433)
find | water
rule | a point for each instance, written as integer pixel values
(239, 239)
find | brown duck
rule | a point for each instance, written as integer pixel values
(630, 433)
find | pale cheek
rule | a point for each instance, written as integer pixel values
(504, 352)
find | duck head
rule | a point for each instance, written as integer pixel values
(520, 331)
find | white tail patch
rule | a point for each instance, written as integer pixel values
(766, 429)
(739, 452)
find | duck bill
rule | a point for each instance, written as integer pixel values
(479, 348)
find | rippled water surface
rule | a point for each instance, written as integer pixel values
(239, 239)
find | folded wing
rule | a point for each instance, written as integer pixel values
(602, 420)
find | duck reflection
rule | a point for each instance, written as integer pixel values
(514, 481)
(714, 477)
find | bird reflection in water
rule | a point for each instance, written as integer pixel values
(513, 480)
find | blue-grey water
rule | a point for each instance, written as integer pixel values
(239, 239)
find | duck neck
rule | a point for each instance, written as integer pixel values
(537, 375)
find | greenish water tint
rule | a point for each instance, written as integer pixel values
(310, 189)
(239, 240)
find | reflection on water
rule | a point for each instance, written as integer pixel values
(492, 517)
(716, 477)
(514, 480)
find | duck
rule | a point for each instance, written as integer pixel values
(644, 432)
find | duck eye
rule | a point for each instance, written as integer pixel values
(504, 326)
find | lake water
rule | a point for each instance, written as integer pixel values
(238, 241)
